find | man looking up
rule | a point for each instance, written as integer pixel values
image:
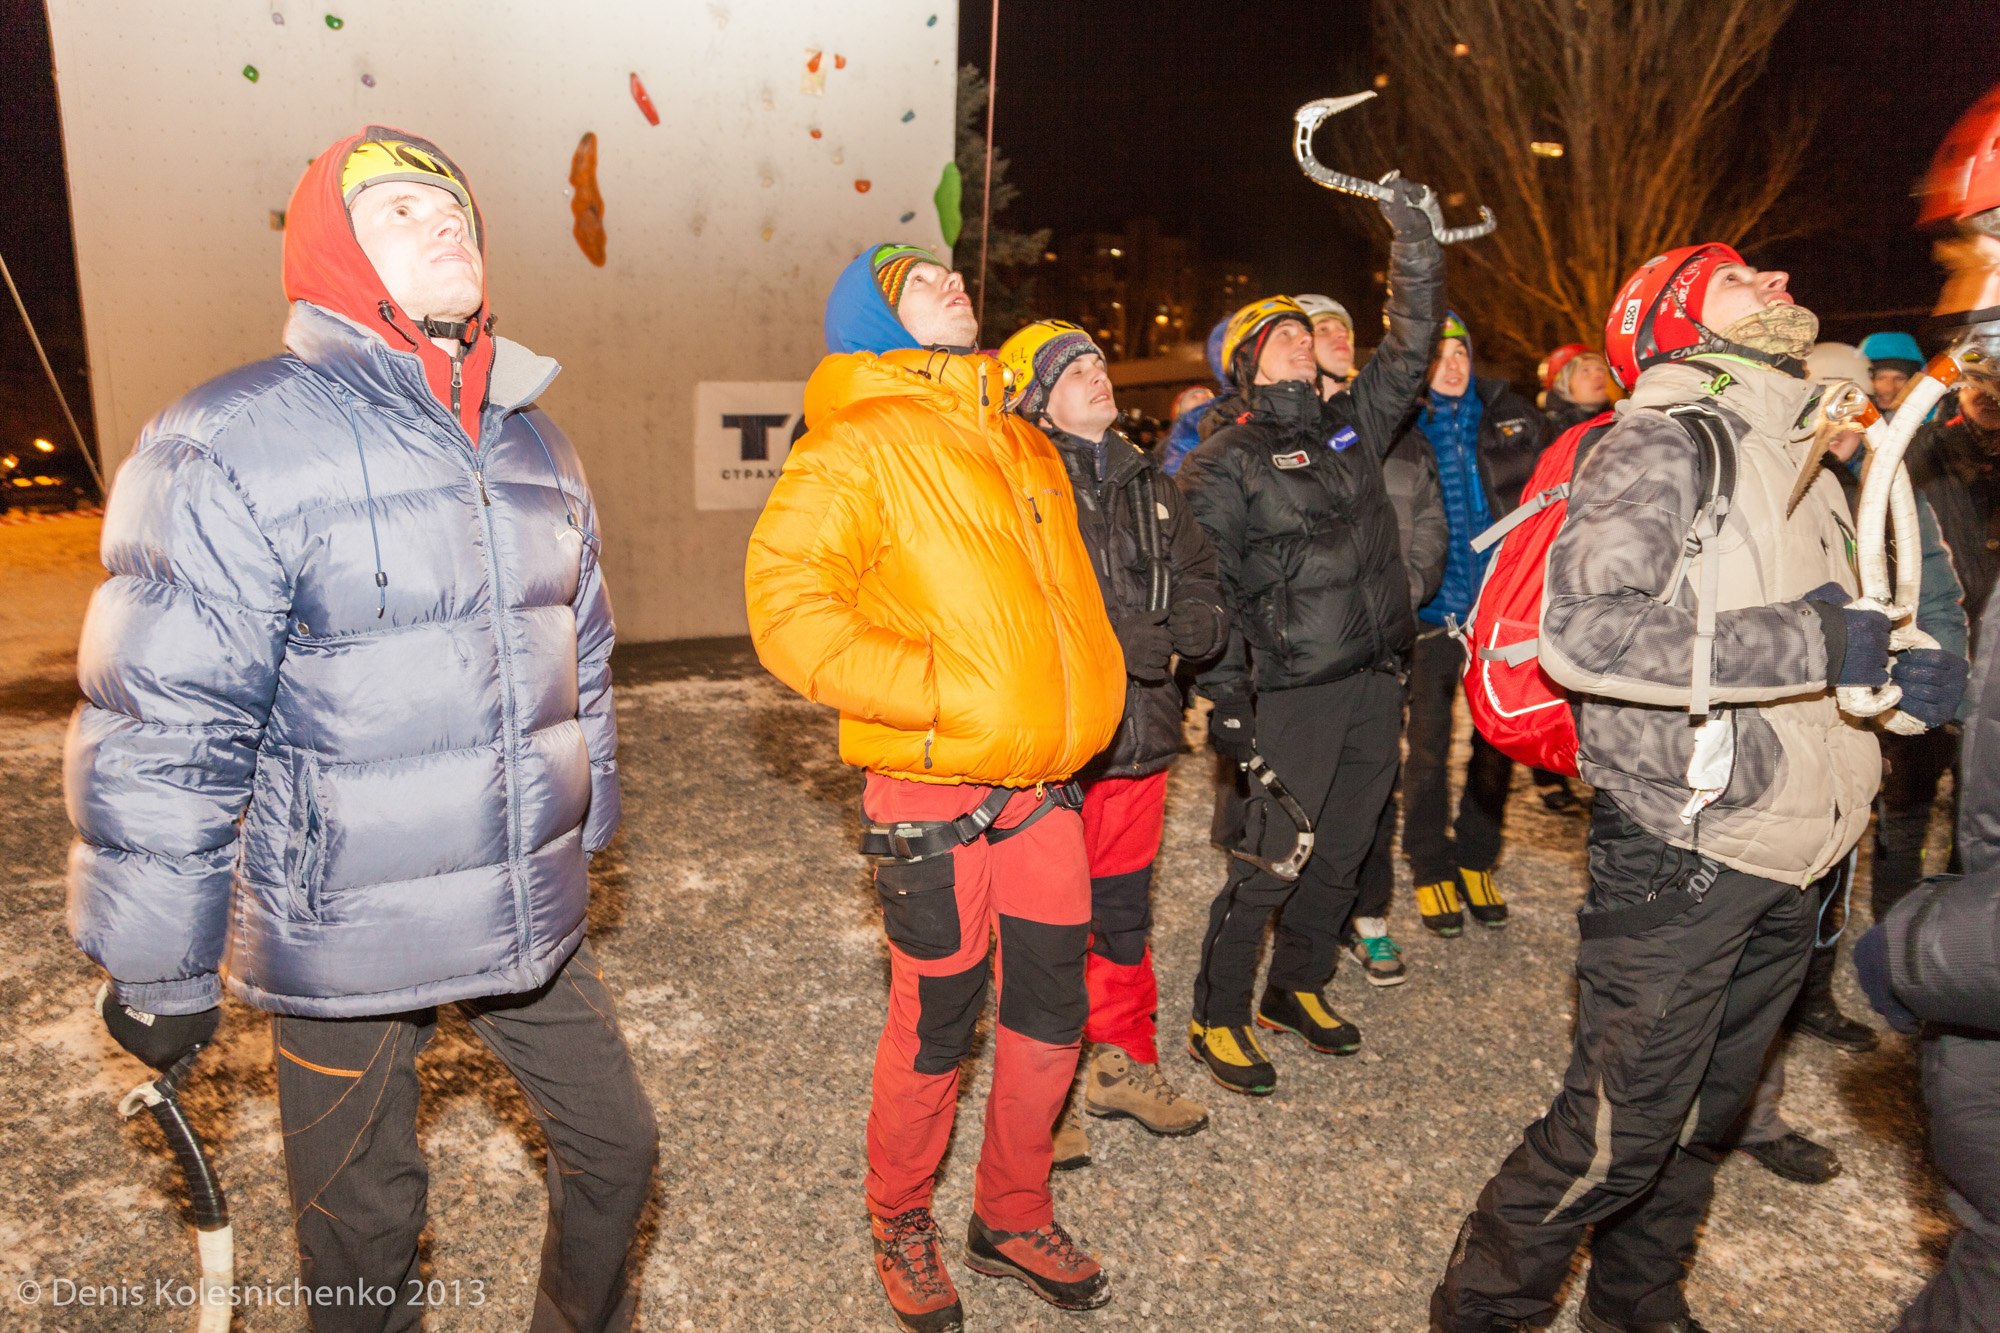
(918, 567)
(349, 743)
(1308, 553)
(1157, 573)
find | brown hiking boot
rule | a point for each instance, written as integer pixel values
(1117, 1085)
(1072, 1145)
(910, 1261)
(1047, 1260)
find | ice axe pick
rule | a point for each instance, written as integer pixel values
(1309, 117)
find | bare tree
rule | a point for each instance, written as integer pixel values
(1601, 132)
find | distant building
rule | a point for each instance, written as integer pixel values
(1140, 292)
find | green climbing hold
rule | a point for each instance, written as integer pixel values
(909, 116)
(950, 200)
(250, 73)
(931, 22)
(336, 22)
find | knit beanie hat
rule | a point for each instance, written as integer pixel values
(892, 265)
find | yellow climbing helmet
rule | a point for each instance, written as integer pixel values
(1246, 324)
(1035, 358)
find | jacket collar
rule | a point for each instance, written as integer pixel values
(390, 378)
(1123, 460)
(1770, 402)
(1295, 403)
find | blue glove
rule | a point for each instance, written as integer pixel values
(1871, 964)
(1933, 682)
(1857, 642)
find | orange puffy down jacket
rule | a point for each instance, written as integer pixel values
(918, 567)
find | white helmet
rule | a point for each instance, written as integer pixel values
(1318, 307)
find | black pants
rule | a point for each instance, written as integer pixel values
(1376, 881)
(347, 1097)
(1437, 845)
(1672, 1026)
(1912, 767)
(1334, 747)
(1962, 1093)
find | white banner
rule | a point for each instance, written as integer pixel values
(742, 432)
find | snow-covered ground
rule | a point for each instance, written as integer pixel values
(740, 930)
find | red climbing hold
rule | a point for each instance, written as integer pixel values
(863, 187)
(839, 60)
(645, 102)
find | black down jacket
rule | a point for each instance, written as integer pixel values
(1149, 554)
(1292, 497)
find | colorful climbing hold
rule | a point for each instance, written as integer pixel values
(863, 187)
(646, 107)
(907, 216)
(250, 73)
(767, 233)
(587, 203)
(814, 132)
(336, 22)
(277, 18)
(950, 201)
(812, 61)
(931, 22)
(839, 60)
(367, 80)
(909, 116)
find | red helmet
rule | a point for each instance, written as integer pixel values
(1552, 365)
(1964, 178)
(1656, 315)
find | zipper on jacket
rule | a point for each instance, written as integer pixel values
(929, 736)
(480, 477)
(457, 379)
(1033, 508)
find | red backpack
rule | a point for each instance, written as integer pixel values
(1524, 714)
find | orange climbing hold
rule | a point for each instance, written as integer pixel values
(863, 187)
(812, 62)
(585, 201)
(814, 132)
(645, 103)
(839, 60)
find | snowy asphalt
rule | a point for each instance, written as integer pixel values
(740, 931)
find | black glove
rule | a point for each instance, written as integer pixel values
(1406, 220)
(1857, 642)
(1197, 628)
(158, 1039)
(1232, 730)
(1147, 644)
(1871, 964)
(1933, 682)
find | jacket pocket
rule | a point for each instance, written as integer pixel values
(919, 906)
(305, 841)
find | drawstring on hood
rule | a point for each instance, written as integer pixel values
(325, 265)
(368, 507)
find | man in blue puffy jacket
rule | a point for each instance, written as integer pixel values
(349, 740)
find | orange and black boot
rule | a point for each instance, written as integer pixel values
(909, 1258)
(1482, 896)
(1438, 905)
(1047, 1260)
(1306, 1014)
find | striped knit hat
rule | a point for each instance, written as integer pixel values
(892, 265)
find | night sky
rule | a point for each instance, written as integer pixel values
(1120, 109)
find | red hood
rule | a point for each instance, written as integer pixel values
(325, 265)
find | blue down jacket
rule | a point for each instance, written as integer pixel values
(349, 730)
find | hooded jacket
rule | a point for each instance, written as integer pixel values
(1118, 489)
(918, 567)
(1804, 775)
(1292, 496)
(349, 731)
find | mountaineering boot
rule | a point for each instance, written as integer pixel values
(1438, 905)
(910, 1261)
(1381, 961)
(1047, 1260)
(1482, 896)
(1233, 1057)
(1117, 1085)
(1818, 1016)
(1305, 1013)
(1590, 1321)
(1072, 1144)
(1795, 1157)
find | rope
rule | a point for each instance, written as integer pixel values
(76, 430)
(986, 191)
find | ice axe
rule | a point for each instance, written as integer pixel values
(1308, 119)
(1889, 501)
(1288, 867)
(215, 1243)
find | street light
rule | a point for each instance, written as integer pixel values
(45, 446)
(9, 463)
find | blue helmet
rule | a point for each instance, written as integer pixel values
(1892, 351)
(1215, 350)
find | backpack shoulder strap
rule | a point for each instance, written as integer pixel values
(1715, 463)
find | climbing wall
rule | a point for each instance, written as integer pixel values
(669, 186)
